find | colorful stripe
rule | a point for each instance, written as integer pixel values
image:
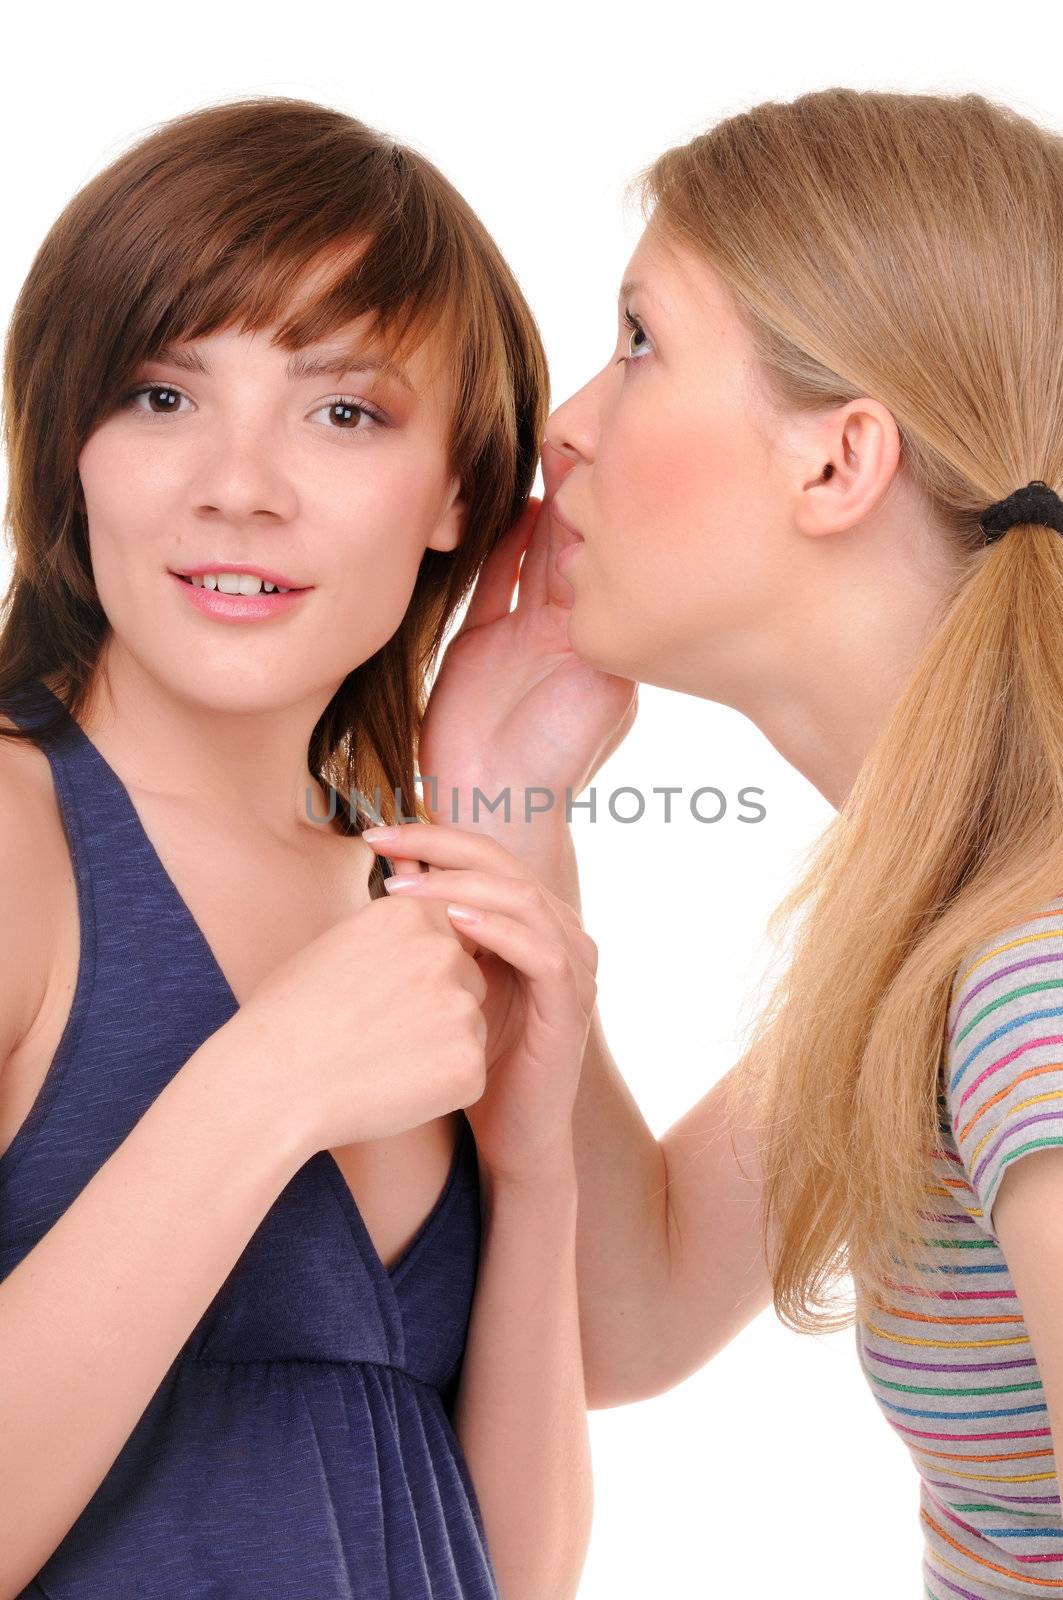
(949, 1358)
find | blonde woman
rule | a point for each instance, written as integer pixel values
(817, 480)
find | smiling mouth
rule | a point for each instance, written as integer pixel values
(247, 587)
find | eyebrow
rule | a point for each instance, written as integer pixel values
(629, 286)
(329, 363)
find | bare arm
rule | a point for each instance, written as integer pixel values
(668, 1242)
(93, 1317)
(521, 1409)
(670, 1259)
(1024, 1216)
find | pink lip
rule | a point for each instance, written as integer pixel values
(241, 566)
(566, 552)
(559, 516)
(238, 607)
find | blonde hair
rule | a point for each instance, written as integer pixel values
(907, 247)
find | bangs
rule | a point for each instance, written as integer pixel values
(352, 229)
(406, 301)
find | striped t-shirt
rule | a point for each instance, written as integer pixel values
(953, 1367)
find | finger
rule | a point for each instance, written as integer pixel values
(556, 466)
(468, 944)
(532, 590)
(560, 992)
(444, 844)
(410, 870)
(493, 592)
(472, 978)
(540, 583)
(405, 868)
(434, 883)
(525, 899)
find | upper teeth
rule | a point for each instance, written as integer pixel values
(236, 583)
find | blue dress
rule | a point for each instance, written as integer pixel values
(301, 1445)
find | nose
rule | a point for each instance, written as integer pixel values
(243, 477)
(556, 465)
(571, 433)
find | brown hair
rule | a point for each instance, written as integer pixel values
(216, 217)
(907, 247)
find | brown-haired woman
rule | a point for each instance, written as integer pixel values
(818, 481)
(271, 1321)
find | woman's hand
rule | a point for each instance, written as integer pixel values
(387, 983)
(512, 705)
(539, 966)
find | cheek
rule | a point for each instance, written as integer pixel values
(377, 507)
(369, 534)
(669, 483)
(683, 480)
(682, 536)
(127, 501)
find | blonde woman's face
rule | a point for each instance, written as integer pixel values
(336, 480)
(666, 463)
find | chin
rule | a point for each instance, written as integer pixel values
(600, 648)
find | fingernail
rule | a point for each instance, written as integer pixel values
(378, 833)
(465, 913)
(392, 885)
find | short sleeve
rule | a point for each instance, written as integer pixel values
(1003, 1060)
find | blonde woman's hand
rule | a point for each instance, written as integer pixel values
(540, 967)
(512, 705)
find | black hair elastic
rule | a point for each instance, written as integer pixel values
(1035, 503)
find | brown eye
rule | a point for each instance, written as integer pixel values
(171, 398)
(353, 416)
(345, 410)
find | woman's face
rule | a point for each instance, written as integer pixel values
(336, 481)
(673, 467)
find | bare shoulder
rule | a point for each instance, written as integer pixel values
(34, 865)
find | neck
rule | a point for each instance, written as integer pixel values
(823, 689)
(241, 755)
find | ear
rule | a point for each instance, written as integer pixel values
(851, 455)
(447, 533)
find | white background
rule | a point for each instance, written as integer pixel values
(770, 1473)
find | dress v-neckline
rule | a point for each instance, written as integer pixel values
(386, 1276)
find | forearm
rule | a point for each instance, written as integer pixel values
(520, 1412)
(669, 1253)
(92, 1318)
(623, 1225)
